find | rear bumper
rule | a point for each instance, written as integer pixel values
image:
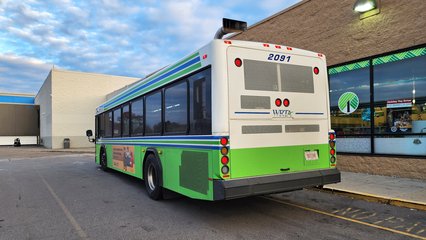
(236, 188)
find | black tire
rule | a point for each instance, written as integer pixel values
(103, 160)
(152, 176)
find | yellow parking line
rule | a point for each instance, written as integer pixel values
(345, 218)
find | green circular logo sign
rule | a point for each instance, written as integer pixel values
(348, 102)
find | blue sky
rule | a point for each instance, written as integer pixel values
(128, 38)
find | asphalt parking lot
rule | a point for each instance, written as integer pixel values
(67, 196)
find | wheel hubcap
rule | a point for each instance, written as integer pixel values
(103, 159)
(151, 177)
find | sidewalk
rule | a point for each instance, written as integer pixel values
(73, 150)
(10, 152)
(404, 192)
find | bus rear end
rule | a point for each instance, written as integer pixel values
(279, 124)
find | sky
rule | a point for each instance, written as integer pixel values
(126, 38)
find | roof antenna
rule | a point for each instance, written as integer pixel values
(230, 26)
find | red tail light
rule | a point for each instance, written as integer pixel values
(316, 70)
(332, 136)
(224, 160)
(286, 102)
(332, 151)
(223, 141)
(278, 102)
(238, 62)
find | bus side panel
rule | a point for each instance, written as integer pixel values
(97, 153)
(125, 159)
(252, 162)
(187, 171)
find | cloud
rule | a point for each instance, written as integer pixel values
(129, 38)
(14, 79)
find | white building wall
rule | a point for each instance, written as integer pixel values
(44, 100)
(75, 96)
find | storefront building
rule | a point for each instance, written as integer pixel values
(377, 77)
(390, 94)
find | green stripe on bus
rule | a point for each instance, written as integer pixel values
(162, 82)
(162, 141)
(174, 65)
(167, 69)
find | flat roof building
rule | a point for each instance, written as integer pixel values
(68, 101)
(18, 118)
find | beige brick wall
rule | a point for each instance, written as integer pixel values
(387, 166)
(333, 28)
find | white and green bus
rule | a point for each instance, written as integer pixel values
(230, 120)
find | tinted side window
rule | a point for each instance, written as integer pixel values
(153, 124)
(176, 109)
(101, 125)
(200, 103)
(108, 124)
(96, 126)
(117, 123)
(137, 117)
(126, 120)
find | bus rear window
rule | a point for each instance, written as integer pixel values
(295, 78)
(268, 76)
(261, 76)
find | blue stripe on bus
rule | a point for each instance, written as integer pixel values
(309, 113)
(165, 137)
(155, 80)
(252, 112)
(162, 145)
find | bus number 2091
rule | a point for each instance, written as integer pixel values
(278, 57)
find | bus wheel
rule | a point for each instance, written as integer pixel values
(152, 177)
(103, 160)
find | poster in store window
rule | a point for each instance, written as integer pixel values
(398, 114)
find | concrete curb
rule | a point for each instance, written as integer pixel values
(377, 198)
(45, 157)
(77, 152)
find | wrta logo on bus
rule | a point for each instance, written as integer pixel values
(282, 113)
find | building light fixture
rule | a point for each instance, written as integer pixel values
(367, 8)
(363, 6)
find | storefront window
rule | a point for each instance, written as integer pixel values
(351, 119)
(400, 98)
(399, 93)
